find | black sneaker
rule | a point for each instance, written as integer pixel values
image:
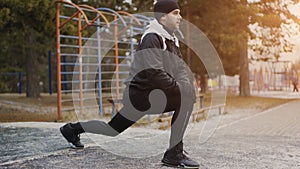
(175, 157)
(70, 135)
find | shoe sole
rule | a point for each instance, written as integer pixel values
(70, 143)
(74, 147)
(179, 166)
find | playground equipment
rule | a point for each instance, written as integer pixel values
(94, 49)
(15, 78)
(274, 75)
(13, 82)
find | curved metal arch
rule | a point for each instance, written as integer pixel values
(77, 7)
(97, 11)
(143, 16)
(114, 12)
(130, 15)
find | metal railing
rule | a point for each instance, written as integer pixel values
(88, 59)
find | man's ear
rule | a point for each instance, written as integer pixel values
(163, 19)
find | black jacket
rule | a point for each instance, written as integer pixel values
(158, 64)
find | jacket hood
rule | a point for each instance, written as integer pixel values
(155, 27)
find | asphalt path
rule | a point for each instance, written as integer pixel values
(269, 139)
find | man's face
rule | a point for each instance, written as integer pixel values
(173, 20)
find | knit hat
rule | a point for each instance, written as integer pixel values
(162, 7)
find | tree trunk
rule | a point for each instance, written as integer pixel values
(244, 69)
(32, 67)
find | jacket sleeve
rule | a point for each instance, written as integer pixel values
(150, 50)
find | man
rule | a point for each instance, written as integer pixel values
(158, 65)
(295, 83)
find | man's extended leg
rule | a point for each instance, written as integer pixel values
(117, 125)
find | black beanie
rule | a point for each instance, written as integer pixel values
(162, 7)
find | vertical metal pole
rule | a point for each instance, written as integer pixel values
(131, 40)
(220, 82)
(20, 83)
(188, 36)
(64, 69)
(58, 71)
(99, 67)
(116, 57)
(80, 61)
(50, 72)
(274, 73)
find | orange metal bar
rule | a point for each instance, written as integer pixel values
(116, 57)
(130, 15)
(80, 61)
(124, 29)
(107, 13)
(58, 68)
(77, 7)
(89, 24)
(69, 19)
(188, 36)
(100, 15)
(79, 13)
